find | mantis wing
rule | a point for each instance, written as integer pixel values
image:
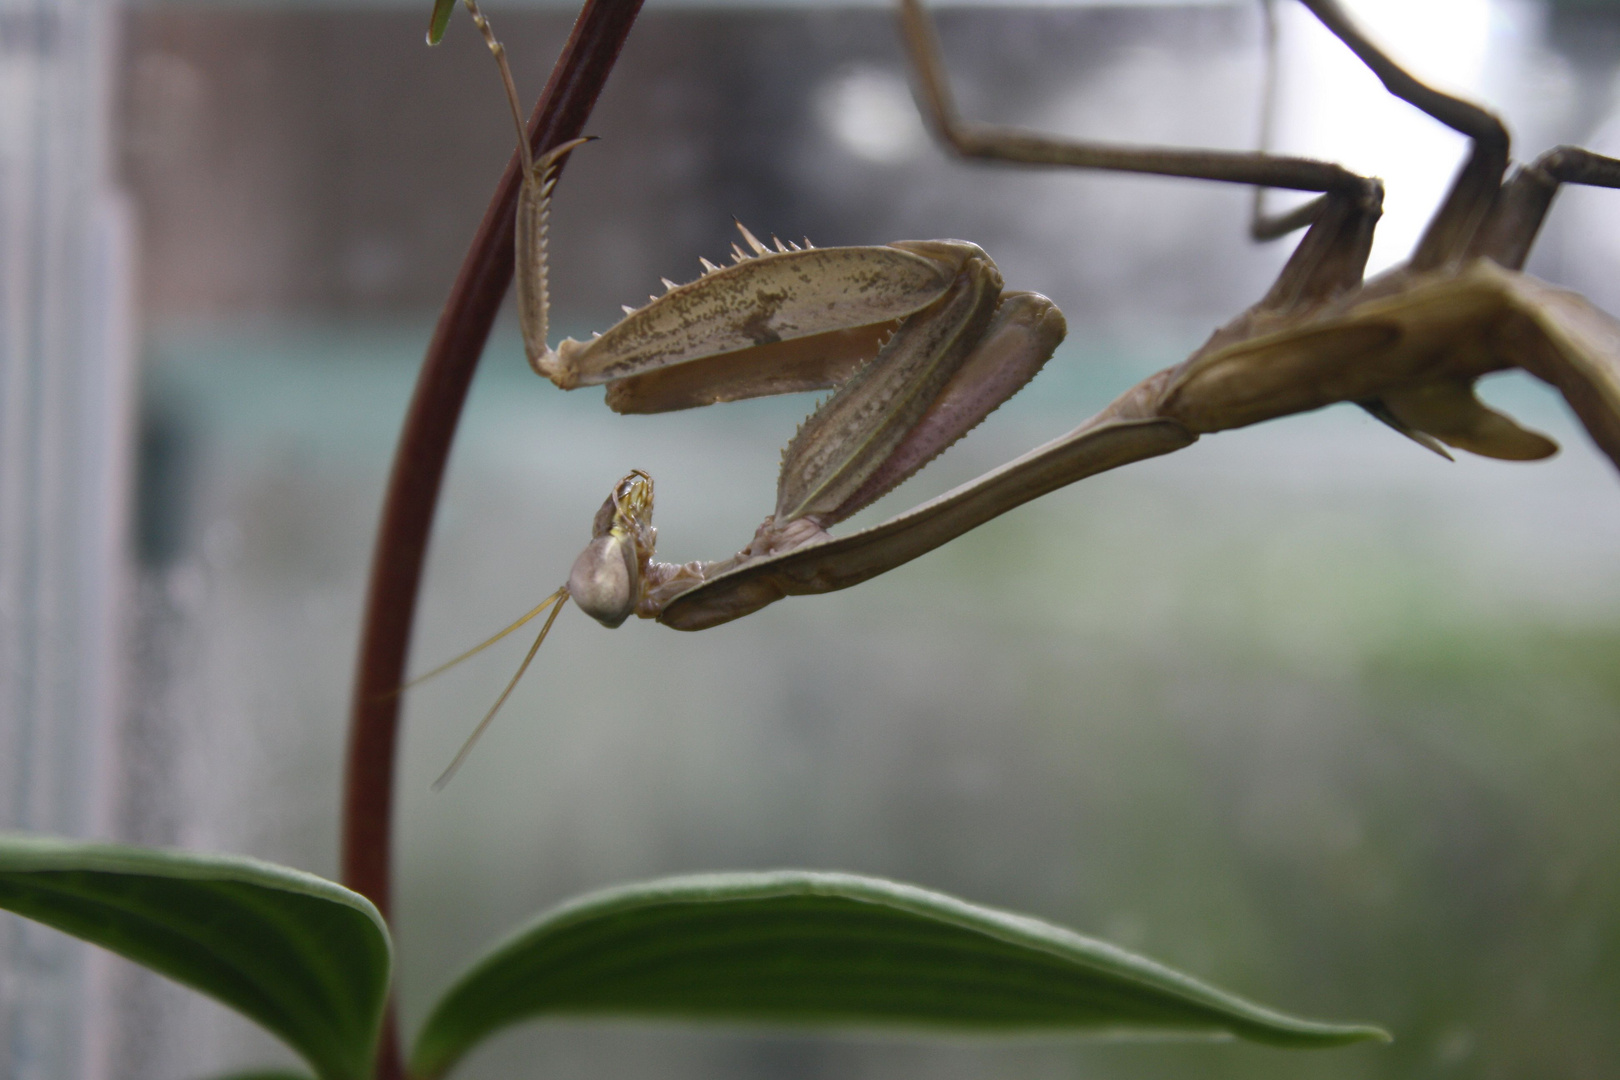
(1561, 338)
(1417, 344)
(1408, 330)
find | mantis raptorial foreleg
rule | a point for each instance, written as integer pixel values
(532, 227)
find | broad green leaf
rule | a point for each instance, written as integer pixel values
(802, 948)
(306, 958)
(442, 10)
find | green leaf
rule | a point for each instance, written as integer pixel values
(441, 19)
(306, 958)
(802, 948)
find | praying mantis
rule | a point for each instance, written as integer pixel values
(919, 342)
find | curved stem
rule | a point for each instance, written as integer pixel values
(419, 461)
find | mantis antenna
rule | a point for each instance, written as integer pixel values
(559, 598)
(555, 601)
(480, 647)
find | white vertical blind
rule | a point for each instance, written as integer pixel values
(65, 394)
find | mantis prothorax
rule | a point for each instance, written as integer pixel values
(921, 344)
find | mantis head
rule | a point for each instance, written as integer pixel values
(606, 579)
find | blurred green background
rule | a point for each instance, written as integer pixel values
(1303, 709)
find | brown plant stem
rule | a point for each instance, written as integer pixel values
(419, 462)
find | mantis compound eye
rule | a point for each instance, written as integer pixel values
(605, 581)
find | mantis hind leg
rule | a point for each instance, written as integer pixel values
(1329, 259)
(1473, 192)
(1262, 224)
(1525, 200)
(993, 143)
(1469, 201)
